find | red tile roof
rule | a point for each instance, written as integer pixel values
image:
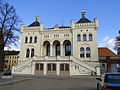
(104, 51)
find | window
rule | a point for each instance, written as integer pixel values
(66, 67)
(68, 49)
(48, 50)
(78, 37)
(53, 67)
(27, 53)
(32, 52)
(87, 52)
(84, 37)
(30, 39)
(35, 40)
(37, 67)
(41, 66)
(49, 67)
(58, 49)
(61, 67)
(26, 39)
(82, 52)
(90, 37)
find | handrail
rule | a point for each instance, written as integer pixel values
(79, 61)
(83, 62)
(27, 62)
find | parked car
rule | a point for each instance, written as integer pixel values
(109, 81)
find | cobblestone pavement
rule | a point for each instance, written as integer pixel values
(52, 83)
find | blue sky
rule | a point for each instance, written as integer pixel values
(55, 11)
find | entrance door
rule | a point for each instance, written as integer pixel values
(51, 69)
(39, 69)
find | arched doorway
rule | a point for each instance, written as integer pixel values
(67, 47)
(56, 45)
(46, 48)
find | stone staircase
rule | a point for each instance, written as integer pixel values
(90, 65)
(85, 64)
(21, 65)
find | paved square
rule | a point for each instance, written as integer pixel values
(53, 83)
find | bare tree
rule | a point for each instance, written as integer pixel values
(8, 27)
(117, 44)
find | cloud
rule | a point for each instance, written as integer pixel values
(108, 42)
(13, 47)
(105, 39)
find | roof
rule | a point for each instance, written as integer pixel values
(60, 27)
(35, 23)
(12, 52)
(112, 73)
(104, 51)
(64, 27)
(83, 19)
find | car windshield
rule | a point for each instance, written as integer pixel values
(112, 78)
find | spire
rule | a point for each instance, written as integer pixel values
(83, 19)
(37, 18)
(83, 13)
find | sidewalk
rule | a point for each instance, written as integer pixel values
(12, 80)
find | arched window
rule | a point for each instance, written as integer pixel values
(87, 52)
(82, 52)
(35, 40)
(26, 39)
(27, 53)
(78, 37)
(48, 50)
(67, 49)
(32, 52)
(30, 39)
(84, 37)
(58, 49)
(90, 37)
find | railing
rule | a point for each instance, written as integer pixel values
(22, 65)
(109, 57)
(52, 58)
(74, 59)
(84, 63)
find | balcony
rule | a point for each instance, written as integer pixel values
(68, 58)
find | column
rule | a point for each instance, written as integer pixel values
(71, 49)
(61, 50)
(41, 51)
(58, 68)
(33, 68)
(45, 68)
(51, 50)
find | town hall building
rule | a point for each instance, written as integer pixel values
(59, 51)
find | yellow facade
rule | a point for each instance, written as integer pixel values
(11, 59)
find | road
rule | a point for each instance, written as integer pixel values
(53, 83)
